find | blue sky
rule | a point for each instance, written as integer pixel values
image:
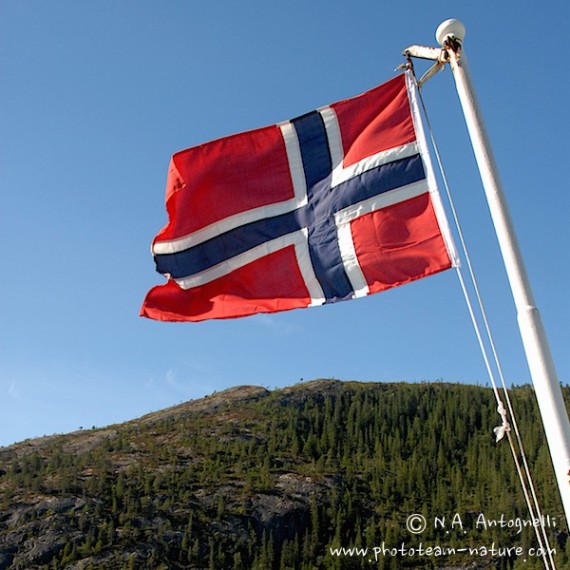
(96, 96)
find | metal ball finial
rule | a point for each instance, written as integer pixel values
(450, 28)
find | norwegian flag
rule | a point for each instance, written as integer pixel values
(336, 204)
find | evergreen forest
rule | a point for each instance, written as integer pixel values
(323, 474)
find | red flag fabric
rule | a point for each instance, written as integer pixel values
(333, 205)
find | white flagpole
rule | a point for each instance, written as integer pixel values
(450, 35)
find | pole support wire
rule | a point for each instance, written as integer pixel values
(508, 418)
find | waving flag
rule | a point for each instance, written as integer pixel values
(336, 204)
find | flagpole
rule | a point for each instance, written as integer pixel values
(450, 35)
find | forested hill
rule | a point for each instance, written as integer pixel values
(324, 474)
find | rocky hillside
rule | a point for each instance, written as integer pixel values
(324, 474)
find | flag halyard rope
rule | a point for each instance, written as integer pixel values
(506, 414)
